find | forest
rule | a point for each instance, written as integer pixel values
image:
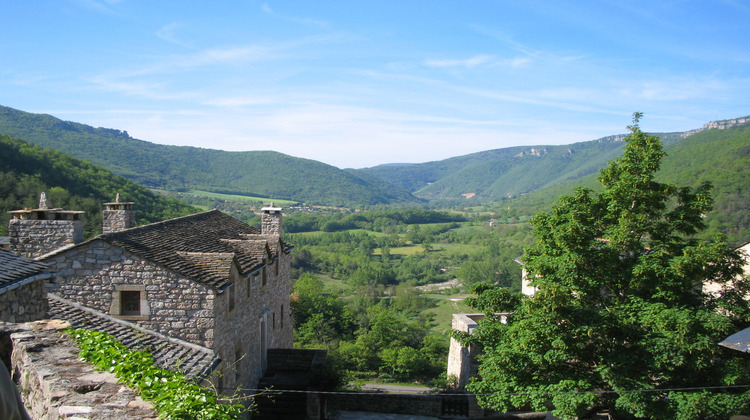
(366, 293)
(27, 170)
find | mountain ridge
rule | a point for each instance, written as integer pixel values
(264, 173)
(483, 176)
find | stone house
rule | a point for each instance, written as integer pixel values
(22, 296)
(207, 281)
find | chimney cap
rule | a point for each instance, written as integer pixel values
(271, 209)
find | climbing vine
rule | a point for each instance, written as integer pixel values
(173, 395)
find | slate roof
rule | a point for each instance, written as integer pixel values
(15, 268)
(739, 341)
(169, 353)
(178, 243)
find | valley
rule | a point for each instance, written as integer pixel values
(370, 243)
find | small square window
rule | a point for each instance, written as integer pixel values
(130, 303)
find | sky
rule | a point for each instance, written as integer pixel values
(356, 84)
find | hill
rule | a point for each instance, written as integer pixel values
(501, 173)
(26, 170)
(261, 173)
(718, 153)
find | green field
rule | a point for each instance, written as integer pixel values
(444, 311)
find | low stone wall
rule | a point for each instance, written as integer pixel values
(421, 405)
(23, 304)
(55, 384)
(456, 405)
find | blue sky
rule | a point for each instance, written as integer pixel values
(356, 84)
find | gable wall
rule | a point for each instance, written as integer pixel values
(240, 329)
(176, 306)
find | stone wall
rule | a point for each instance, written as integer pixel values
(461, 364)
(117, 220)
(93, 275)
(25, 303)
(55, 384)
(270, 220)
(36, 237)
(261, 320)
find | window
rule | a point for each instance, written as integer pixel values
(265, 276)
(130, 303)
(281, 320)
(230, 293)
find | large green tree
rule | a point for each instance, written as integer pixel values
(620, 321)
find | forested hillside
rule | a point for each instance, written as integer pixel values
(260, 173)
(500, 173)
(26, 170)
(719, 156)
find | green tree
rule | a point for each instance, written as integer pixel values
(620, 307)
(320, 318)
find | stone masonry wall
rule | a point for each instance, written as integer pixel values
(55, 384)
(175, 306)
(238, 332)
(34, 237)
(24, 304)
(460, 363)
(271, 222)
(117, 220)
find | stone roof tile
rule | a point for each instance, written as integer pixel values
(177, 243)
(14, 268)
(169, 353)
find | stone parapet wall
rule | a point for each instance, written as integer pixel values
(172, 305)
(25, 303)
(55, 384)
(36, 237)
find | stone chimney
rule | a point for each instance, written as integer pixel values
(270, 220)
(35, 232)
(118, 216)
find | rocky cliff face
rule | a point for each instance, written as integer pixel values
(721, 125)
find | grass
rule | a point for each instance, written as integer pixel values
(443, 313)
(401, 250)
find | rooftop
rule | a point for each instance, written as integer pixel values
(169, 353)
(16, 268)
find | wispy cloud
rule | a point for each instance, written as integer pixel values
(467, 62)
(101, 6)
(169, 33)
(294, 19)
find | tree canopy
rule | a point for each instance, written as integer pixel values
(620, 320)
